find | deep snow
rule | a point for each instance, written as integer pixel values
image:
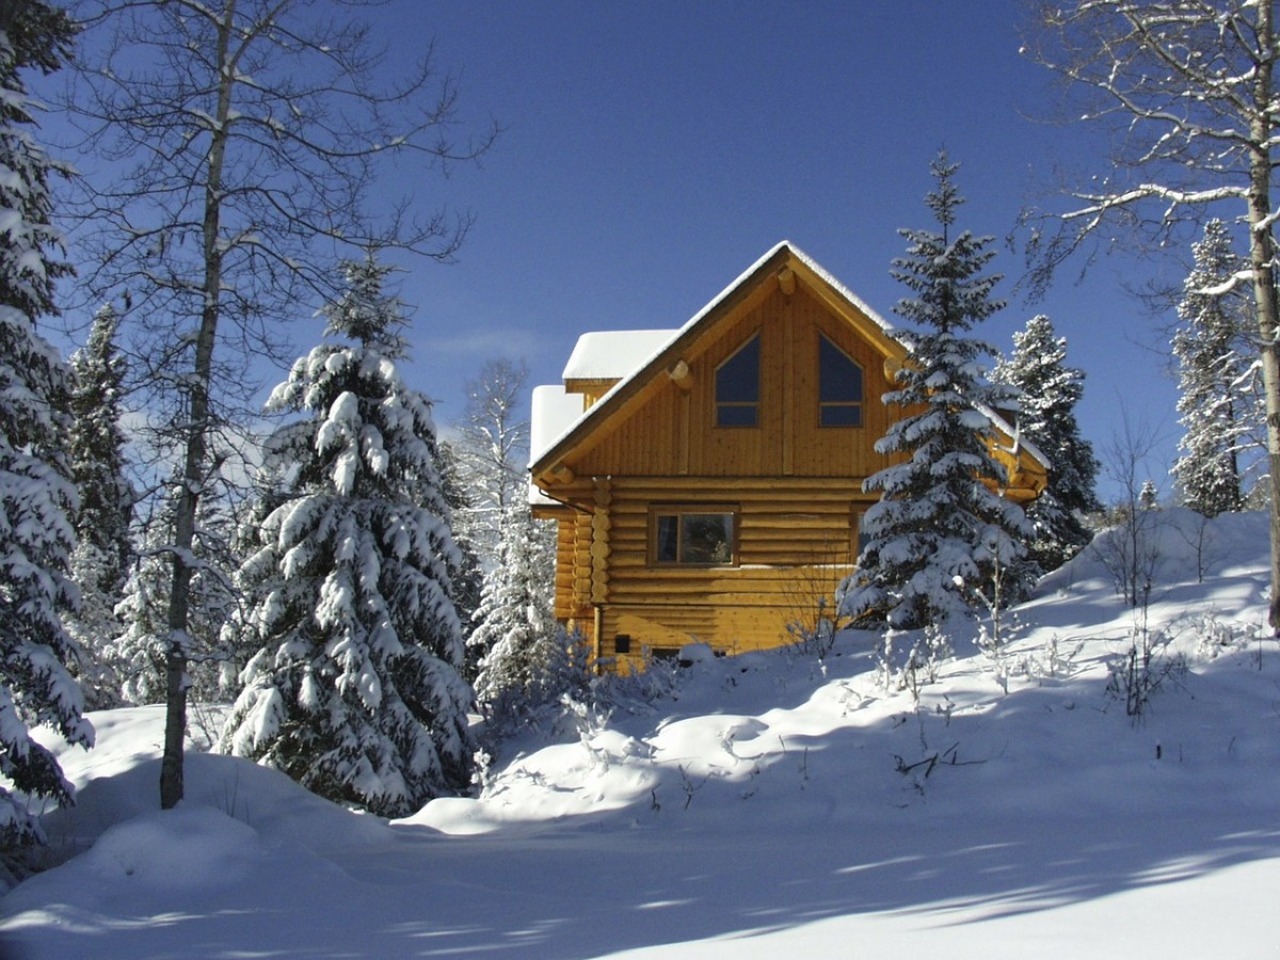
(773, 806)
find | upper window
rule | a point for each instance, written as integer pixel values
(695, 535)
(839, 387)
(738, 387)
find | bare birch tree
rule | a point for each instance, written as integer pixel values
(1189, 89)
(492, 447)
(249, 133)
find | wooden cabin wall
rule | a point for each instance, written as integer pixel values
(794, 546)
(673, 432)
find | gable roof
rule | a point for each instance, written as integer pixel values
(603, 356)
(596, 352)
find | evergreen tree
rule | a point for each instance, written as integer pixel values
(939, 531)
(136, 655)
(524, 662)
(1148, 496)
(354, 687)
(1048, 391)
(37, 497)
(1217, 406)
(100, 561)
(468, 578)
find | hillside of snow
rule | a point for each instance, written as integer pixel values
(770, 805)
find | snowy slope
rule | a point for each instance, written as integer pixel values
(772, 806)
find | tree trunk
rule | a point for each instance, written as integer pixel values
(1262, 259)
(194, 467)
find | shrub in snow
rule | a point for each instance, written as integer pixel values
(1142, 668)
(353, 687)
(938, 530)
(1215, 636)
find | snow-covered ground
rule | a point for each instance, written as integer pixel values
(775, 806)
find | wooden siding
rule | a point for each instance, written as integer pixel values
(794, 546)
(673, 433)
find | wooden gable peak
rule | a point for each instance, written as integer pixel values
(782, 266)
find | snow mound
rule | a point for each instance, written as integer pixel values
(158, 851)
(1002, 806)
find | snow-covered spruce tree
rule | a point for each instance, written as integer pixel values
(1218, 402)
(1048, 393)
(100, 561)
(355, 689)
(137, 653)
(524, 662)
(37, 498)
(468, 578)
(247, 138)
(939, 531)
(1149, 496)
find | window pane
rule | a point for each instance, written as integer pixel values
(841, 415)
(839, 378)
(736, 415)
(668, 528)
(706, 538)
(738, 379)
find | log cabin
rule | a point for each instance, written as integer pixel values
(706, 481)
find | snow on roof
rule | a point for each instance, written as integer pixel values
(612, 354)
(551, 412)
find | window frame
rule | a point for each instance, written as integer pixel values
(858, 538)
(720, 406)
(835, 406)
(679, 511)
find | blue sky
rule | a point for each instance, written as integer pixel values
(653, 151)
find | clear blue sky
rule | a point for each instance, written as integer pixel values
(653, 150)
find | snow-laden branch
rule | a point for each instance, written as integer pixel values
(1099, 204)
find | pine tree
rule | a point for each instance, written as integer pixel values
(524, 661)
(37, 498)
(938, 533)
(137, 653)
(354, 689)
(468, 578)
(135, 656)
(1148, 496)
(1048, 391)
(1217, 404)
(100, 561)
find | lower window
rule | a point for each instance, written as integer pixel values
(693, 535)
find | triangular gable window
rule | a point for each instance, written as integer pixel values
(839, 387)
(738, 387)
